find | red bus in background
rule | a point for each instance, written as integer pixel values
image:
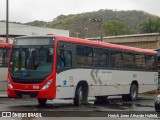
(50, 67)
(5, 49)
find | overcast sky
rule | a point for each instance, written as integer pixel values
(46, 10)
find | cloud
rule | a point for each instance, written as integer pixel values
(47, 10)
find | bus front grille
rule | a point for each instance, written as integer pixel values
(31, 94)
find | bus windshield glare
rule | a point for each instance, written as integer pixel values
(31, 61)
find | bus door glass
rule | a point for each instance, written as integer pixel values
(64, 55)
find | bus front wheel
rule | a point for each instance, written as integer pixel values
(81, 95)
(132, 96)
(78, 96)
(42, 102)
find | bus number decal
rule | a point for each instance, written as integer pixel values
(35, 87)
(64, 82)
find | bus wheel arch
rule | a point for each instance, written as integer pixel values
(81, 93)
(133, 93)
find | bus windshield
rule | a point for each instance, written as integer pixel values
(31, 58)
(34, 61)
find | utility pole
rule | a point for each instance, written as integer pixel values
(101, 29)
(7, 25)
(77, 34)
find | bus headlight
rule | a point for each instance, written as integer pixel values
(47, 85)
(10, 85)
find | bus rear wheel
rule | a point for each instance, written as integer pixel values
(42, 102)
(132, 96)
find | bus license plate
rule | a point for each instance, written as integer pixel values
(25, 96)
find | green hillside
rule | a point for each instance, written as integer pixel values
(81, 25)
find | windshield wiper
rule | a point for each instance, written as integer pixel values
(36, 51)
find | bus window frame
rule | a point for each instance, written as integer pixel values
(116, 68)
(134, 65)
(64, 46)
(99, 59)
(85, 57)
(155, 62)
(140, 68)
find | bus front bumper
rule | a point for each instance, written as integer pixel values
(43, 94)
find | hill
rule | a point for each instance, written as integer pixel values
(81, 25)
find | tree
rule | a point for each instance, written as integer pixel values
(114, 28)
(150, 26)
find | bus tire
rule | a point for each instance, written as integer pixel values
(132, 96)
(78, 96)
(42, 102)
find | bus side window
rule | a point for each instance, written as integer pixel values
(128, 60)
(96, 57)
(84, 56)
(150, 59)
(89, 56)
(64, 58)
(104, 58)
(67, 58)
(60, 61)
(140, 61)
(4, 56)
(116, 59)
(80, 56)
(101, 57)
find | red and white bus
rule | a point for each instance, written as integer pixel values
(51, 67)
(5, 49)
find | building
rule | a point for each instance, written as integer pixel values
(145, 41)
(22, 30)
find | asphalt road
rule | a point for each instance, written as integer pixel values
(64, 109)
